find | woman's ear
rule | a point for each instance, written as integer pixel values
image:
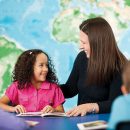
(123, 89)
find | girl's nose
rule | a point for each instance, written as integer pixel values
(45, 68)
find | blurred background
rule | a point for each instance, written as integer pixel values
(53, 26)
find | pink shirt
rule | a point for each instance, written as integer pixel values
(33, 99)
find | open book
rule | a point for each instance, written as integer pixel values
(54, 114)
(99, 124)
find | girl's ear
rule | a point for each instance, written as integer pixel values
(123, 89)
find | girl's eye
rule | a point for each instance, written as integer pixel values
(43, 65)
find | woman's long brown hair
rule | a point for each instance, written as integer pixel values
(105, 58)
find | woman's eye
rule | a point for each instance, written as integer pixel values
(83, 43)
(40, 65)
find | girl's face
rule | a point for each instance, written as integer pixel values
(84, 43)
(40, 68)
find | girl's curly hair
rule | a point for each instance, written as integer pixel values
(24, 68)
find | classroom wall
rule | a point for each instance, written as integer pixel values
(52, 25)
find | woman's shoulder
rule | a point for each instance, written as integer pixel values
(81, 56)
(117, 76)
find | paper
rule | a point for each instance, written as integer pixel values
(99, 124)
(31, 123)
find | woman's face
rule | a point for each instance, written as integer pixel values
(84, 43)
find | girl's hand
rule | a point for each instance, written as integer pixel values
(83, 109)
(48, 109)
(19, 109)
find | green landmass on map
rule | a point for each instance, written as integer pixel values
(9, 53)
(66, 25)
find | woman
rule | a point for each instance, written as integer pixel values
(96, 74)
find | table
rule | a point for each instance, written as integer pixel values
(64, 123)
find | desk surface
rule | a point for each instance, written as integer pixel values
(64, 123)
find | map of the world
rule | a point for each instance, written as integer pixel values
(53, 26)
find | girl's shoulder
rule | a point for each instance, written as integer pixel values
(14, 85)
(54, 85)
(13, 88)
(50, 84)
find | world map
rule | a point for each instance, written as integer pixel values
(53, 26)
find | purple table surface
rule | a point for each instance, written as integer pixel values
(64, 123)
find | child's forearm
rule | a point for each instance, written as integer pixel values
(6, 107)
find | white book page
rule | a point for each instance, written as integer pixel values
(30, 114)
(58, 114)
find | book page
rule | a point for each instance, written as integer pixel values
(30, 114)
(56, 114)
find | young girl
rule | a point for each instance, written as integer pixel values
(34, 85)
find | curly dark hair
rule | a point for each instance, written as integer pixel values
(24, 70)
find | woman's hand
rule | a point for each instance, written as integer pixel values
(19, 109)
(83, 109)
(48, 109)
